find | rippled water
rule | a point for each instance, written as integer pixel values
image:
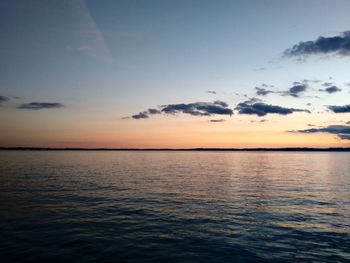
(174, 206)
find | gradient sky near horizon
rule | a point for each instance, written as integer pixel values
(85, 73)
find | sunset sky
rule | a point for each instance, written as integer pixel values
(175, 74)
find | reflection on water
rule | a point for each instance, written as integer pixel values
(175, 206)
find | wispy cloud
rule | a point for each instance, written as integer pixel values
(339, 45)
(91, 41)
(217, 120)
(40, 105)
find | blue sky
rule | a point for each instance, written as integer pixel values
(105, 60)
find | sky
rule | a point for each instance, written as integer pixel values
(174, 74)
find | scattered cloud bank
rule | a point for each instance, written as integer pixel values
(342, 131)
(340, 109)
(195, 109)
(40, 105)
(296, 90)
(261, 109)
(339, 45)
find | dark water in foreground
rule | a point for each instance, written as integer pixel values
(174, 207)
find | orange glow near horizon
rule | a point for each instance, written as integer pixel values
(169, 132)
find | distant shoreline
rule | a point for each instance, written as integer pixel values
(296, 149)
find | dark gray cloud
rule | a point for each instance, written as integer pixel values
(262, 109)
(342, 131)
(348, 122)
(211, 91)
(217, 107)
(40, 105)
(221, 103)
(153, 111)
(340, 109)
(3, 99)
(198, 108)
(217, 120)
(344, 136)
(263, 91)
(140, 115)
(145, 114)
(296, 90)
(339, 45)
(331, 89)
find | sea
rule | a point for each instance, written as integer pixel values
(174, 206)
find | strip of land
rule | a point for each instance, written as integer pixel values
(297, 149)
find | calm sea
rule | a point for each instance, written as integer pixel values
(70, 206)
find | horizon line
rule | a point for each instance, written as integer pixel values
(284, 149)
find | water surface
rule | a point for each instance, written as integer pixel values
(64, 206)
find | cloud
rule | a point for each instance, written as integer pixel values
(153, 111)
(145, 114)
(261, 109)
(211, 91)
(296, 90)
(198, 108)
(263, 120)
(263, 91)
(331, 89)
(348, 122)
(327, 84)
(141, 115)
(3, 99)
(40, 105)
(221, 103)
(217, 120)
(342, 131)
(344, 136)
(339, 45)
(90, 40)
(217, 107)
(340, 109)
